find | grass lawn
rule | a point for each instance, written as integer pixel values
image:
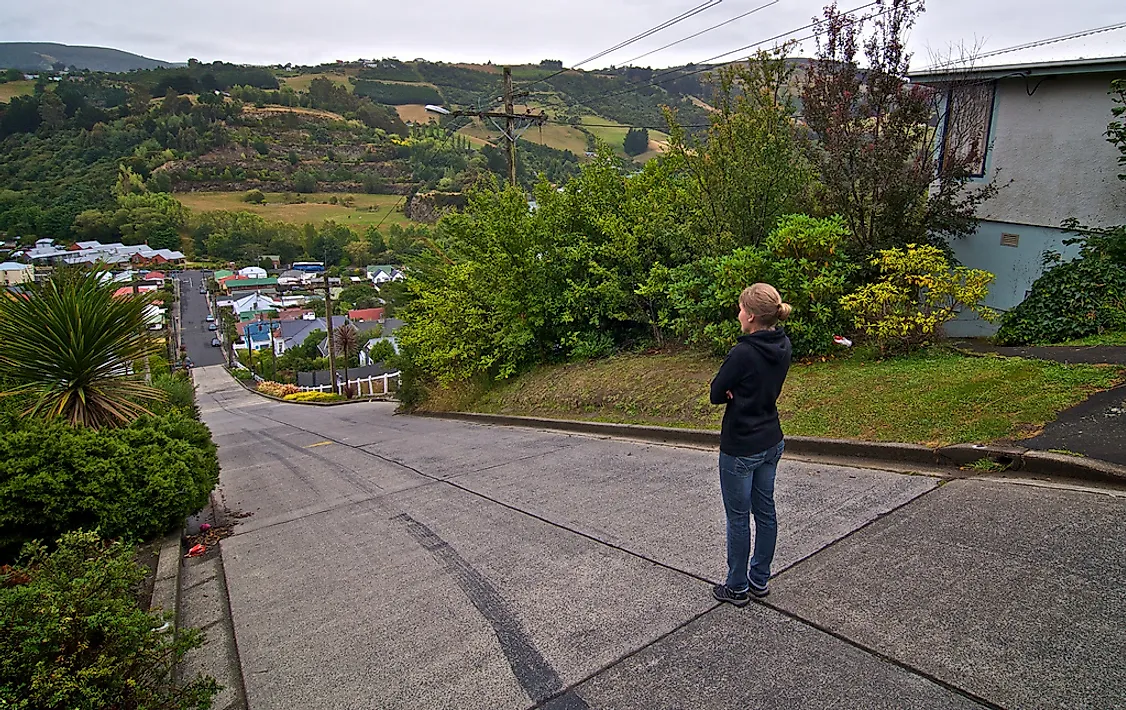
(1101, 339)
(368, 209)
(933, 398)
(11, 89)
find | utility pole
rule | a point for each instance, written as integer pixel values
(331, 344)
(509, 125)
(510, 118)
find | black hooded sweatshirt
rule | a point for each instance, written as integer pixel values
(753, 372)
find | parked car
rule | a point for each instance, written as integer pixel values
(203, 292)
(215, 342)
(210, 318)
(212, 326)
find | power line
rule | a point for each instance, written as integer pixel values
(701, 32)
(680, 73)
(1027, 45)
(709, 4)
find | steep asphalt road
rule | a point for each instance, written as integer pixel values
(398, 562)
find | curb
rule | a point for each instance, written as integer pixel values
(1030, 461)
(166, 587)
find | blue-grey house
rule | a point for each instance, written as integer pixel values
(1043, 127)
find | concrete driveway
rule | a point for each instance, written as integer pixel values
(398, 562)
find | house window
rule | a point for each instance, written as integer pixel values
(965, 134)
(1010, 240)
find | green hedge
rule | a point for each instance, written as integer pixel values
(136, 482)
(72, 636)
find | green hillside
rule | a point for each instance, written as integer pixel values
(42, 56)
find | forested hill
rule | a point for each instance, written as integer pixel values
(75, 142)
(44, 56)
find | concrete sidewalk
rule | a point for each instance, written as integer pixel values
(397, 562)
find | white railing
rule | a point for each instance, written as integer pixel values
(371, 389)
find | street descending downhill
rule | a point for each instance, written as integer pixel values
(400, 562)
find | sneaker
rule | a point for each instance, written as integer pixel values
(758, 592)
(723, 594)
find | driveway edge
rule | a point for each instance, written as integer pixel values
(1004, 458)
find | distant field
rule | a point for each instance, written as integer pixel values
(552, 135)
(301, 83)
(13, 89)
(487, 68)
(271, 109)
(478, 134)
(559, 137)
(572, 139)
(314, 210)
(415, 112)
(616, 137)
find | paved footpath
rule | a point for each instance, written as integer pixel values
(399, 562)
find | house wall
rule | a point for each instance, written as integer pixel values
(20, 276)
(1052, 154)
(1049, 155)
(1016, 268)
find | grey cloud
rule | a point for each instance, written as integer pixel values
(278, 31)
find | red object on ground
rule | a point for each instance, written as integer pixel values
(205, 527)
(196, 551)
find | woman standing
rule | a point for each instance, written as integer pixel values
(750, 443)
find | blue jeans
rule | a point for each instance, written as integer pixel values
(747, 483)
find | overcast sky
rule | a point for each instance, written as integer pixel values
(304, 32)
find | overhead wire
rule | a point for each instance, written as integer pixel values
(1027, 45)
(680, 73)
(692, 12)
(701, 32)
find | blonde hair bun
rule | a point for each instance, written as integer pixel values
(764, 301)
(784, 311)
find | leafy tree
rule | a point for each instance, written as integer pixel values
(52, 111)
(254, 197)
(875, 149)
(637, 141)
(748, 170)
(360, 296)
(304, 182)
(359, 252)
(71, 345)
(381, 351)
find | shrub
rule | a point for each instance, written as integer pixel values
(72, 635)
(242, 374)
(314, 397)
(1074, 299)
(135, 482)
(918, 292)
(803, 257)
(254, 197)
(305, 182)
(277, 389)
(179, 390)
